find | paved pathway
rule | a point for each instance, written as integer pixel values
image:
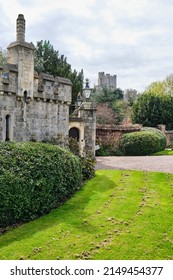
(147, 163)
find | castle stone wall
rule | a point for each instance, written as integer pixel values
(32, 107)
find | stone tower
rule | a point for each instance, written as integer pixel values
(21, 54)
(107, 81)
(32, 107)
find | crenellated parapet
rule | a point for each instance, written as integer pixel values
(55, 89)
(46, 87)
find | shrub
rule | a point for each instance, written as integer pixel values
(109, 145)
(87, 163)
(88, 167)
(142, 143)
(160, 135)
(74, 146)
(34, 179)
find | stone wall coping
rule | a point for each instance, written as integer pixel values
(62, 80)
(119, 127)
(10, 67)
(47, 77)
(21, 44)
(57, 79)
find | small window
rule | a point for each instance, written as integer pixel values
(6, 75)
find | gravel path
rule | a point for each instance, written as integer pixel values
(146, 163)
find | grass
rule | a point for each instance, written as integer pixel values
(121, 215)
(164, 153)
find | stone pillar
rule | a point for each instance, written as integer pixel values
(20, 29)
(88, 112)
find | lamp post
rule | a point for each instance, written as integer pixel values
(87, 90)
(83, 98)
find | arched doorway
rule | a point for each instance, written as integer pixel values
(74, 133)
(74, 140)
(8, 126)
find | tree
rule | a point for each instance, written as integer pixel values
(105, 115)
(107, 96)
(169, 84)
(48, 60)
(110, 105)
(120, 107)
(152, 109)
(165, 86)
(130, 95)
(3, 56)
(157, 87)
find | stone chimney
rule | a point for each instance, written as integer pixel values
(21, 53)
(20, 28)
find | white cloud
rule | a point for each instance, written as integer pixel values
(129, 38)
(36, 10)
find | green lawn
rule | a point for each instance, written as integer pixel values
(164, 153)
(118, 215)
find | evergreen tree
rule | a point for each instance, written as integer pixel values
(110, 105)
(152, 109)
(48, 60)
(107, 96)
(3, 56)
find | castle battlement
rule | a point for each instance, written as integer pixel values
(107, 81)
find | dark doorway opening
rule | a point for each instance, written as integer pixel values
(8, 123)
(74, 133)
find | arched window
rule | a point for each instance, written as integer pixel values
(74, 133)
(8, 126)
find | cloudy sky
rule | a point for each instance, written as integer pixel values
(132, 39)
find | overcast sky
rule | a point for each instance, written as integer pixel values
(132, 39)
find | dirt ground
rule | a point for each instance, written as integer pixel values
(146, 163)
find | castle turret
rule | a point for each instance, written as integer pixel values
(21, 54)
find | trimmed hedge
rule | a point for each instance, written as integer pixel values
(161, 136)
(142, 143)
(34, 179)
(87, 163)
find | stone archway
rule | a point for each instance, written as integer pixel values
(74, 133)
(74, 136)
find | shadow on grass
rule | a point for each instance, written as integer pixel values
(71, 214)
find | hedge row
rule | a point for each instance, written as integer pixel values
(34, 179)
(143, 142)
(162, 138)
